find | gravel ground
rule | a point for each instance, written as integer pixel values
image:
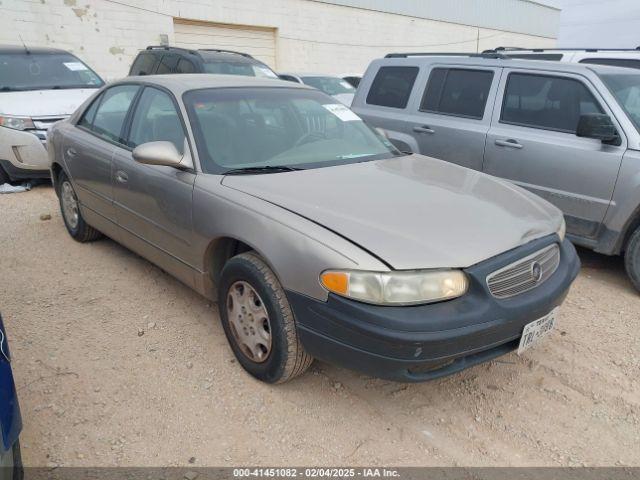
(118, 364)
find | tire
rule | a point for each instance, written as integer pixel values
(70, 209)
(18, 470)
(632, 258)
(249, 288)
(4, 177)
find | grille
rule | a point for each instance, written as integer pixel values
(525, 274)
(42, 125)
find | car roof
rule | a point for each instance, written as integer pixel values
(21, 49)
(183, 82)
(506, 62)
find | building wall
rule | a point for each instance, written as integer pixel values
(311, 35)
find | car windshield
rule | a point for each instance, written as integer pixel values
(243, 128)
(43, 71)
(329, 85)
(626, 88)
(239, 68)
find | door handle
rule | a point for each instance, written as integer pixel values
(71, 152)
(423, 129)
(509, 143)
(121, 176)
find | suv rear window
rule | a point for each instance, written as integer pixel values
(615, 62)
(457, 91)
(546, 102)
(392, 86)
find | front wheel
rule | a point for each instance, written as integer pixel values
(258, 321)
(70, 208)
(632, 258)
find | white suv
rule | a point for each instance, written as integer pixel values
(629, 58)
(38, 87)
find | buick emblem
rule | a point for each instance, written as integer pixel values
(536, 272)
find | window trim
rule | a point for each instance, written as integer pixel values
(126, 117)
(457, 115)
(413, 86)
(545, 75)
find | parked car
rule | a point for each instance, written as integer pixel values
(10, 420)
(569, 133)
(317, 237)
(160, 60)
(623, 57)
(337, 87)
(38, 87)
(352, 78)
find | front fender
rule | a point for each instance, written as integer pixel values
(296, 249)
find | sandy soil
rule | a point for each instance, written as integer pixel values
(95, 393)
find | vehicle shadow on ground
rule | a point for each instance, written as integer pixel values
(608, 268)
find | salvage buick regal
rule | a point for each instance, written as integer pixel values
(315, 235)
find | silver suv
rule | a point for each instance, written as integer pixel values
(567, 132)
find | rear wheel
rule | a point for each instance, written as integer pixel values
(70, 208)
(258, 321)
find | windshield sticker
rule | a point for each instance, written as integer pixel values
(342, 112)
(75, 66)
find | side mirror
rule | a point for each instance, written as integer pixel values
(158, 153)
(598, 126)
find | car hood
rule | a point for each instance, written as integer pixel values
(411, 212)
(345, 98)
(43, 103)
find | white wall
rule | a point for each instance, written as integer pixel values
(311, 36)
(599, 23)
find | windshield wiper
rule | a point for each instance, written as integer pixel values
(261, 169)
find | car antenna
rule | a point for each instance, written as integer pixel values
(24, 45)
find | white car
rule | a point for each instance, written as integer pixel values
(337, 87)
(629, 58)
(38, 87)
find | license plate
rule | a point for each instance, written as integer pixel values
(537, 329)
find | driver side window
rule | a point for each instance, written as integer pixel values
(156, 119)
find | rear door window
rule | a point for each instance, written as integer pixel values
(457, 91)
(112, 112)
(144, 64)
(392, 86)
(168, 64)
(546, 102)
(186, 66)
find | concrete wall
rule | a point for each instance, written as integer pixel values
(311, 36)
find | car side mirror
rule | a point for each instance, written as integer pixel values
(158, 153)
(598, 126)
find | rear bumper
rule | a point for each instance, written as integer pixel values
(23, 154)
(424, 342)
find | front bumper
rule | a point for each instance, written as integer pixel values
(418, 343)
(23, 154)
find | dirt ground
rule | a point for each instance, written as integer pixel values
(94, 392)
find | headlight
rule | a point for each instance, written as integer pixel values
(17, 123)
(562, 230)
(396, 288)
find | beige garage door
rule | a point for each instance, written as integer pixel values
(259, 42)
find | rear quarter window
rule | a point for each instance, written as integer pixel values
(392, 86)
(144, 64)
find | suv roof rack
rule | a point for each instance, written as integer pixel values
(516, 49)
(190, 50)
(225, 51)
(446, 54)
(167, 47)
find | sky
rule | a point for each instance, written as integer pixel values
(599, 23)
